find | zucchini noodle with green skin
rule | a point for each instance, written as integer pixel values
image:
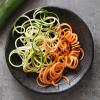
(35, 35)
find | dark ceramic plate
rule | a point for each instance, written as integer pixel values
(85, 37)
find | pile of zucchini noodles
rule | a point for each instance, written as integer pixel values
(47, 46)
(34, 34)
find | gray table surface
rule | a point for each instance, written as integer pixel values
(89, 87)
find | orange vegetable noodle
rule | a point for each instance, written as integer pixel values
(65, 55)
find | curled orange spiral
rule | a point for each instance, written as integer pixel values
(65, 55)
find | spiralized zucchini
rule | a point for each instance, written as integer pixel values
(35, 35)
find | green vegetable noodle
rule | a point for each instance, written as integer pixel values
(35, 35)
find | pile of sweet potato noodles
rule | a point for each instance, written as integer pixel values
(48, 47)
